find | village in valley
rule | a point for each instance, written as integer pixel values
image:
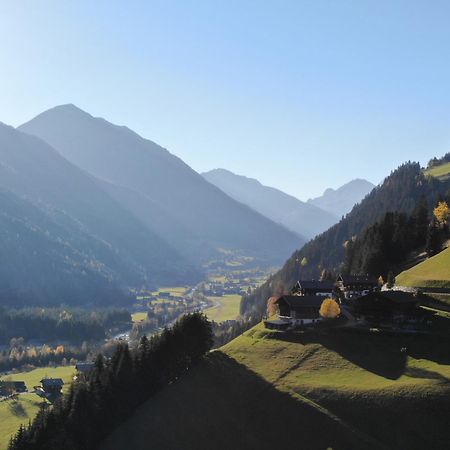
(352, 301)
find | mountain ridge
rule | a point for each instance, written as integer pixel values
(210, 218)
(301, 218)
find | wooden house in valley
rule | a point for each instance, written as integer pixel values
(314, 287)
(389, 307)
(296, 310)
(356, 285)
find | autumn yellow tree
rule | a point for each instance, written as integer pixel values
(329, 309)
(442, 213)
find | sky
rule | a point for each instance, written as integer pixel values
(302, 95)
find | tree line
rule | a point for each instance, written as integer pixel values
(73, 325)
(97, 404)
(385, 246)
(401, 192)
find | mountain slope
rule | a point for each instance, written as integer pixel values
(400, 191)
(341, 201)
(45, 262)
(132, 254)
(303, 219)
(433, 272)
(269, 390)
(123, 158)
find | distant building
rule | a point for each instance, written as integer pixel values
(314, 287)
(84, 367)
(52, 385)
(356, 285)
(12, 387)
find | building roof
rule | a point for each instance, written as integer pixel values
(325, 285)
(52, 381)
(358, 279)
(301, 301)
(390, 298)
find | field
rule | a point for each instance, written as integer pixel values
(267, 390)
(442, 171)
(20, 411)
(139, 316)
(176, 291)
(433, 272)
(225, 308)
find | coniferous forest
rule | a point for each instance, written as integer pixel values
(97, 403)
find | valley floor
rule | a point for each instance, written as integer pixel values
(336, 389)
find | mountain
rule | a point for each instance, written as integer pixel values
(140, 173)
(302, 218)
(401, 191)
(339, 202)
(79, 222)
(44, 262)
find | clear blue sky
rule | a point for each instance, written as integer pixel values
(302, 95)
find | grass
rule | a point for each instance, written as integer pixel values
(139, 316)
(225, 308)
(433, 272)
(335, 389)
(442, 171)
(13, 413)
(176, 291)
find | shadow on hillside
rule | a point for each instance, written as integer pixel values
(223, 405)
(384, 355)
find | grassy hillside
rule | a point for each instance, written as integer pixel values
(25, 407)
(266, 390)
(442, 171)
(433, 272)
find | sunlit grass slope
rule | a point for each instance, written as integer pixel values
(25, 407)
(266, 390)
(433, 272)
(442, 171)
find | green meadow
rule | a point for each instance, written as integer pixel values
(21, 410)
(433, 272)
(224, 308)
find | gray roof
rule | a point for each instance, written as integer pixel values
(302, 301)
(325, 285)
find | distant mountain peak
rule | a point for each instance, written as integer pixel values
(299, 217)
(340, 201)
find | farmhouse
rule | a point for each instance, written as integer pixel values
(296, 310)
(52, 385)
(389, 307)
(11, 387)
(313, 287)
(356, 285)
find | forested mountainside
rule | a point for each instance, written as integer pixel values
(81, 238)
(206, 218)
(43, 262)
(302, 218)
(401, 192)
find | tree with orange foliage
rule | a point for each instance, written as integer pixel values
(442, 213)
(329, 309)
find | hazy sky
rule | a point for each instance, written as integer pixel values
(302, 95)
